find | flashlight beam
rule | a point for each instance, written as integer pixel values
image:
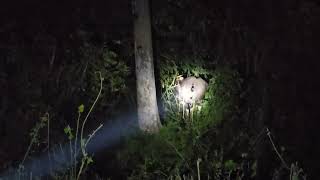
(106, 137)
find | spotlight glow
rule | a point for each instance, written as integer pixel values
(191, 90)
(61, 161)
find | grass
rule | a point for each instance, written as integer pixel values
(54, 155)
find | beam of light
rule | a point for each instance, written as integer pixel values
(107, 136)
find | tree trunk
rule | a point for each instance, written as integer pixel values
(148, 115)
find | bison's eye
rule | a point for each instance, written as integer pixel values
(192, 88)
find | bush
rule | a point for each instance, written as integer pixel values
(205, 141)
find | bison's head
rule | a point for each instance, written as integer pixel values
(191, 90)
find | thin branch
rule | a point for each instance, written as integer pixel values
(275, 148)
(93, 133)
(75, 142)
(93, 105)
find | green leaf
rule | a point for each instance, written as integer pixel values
(70, 137)
(89, 160)
(67, 129)
(230, 165)
(81, 108)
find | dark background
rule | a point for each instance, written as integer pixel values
(282, 34)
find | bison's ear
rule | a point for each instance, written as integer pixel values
(179, 79)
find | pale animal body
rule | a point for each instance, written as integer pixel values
(191, 90)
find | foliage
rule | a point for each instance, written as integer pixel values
(53, 79)
(73, 170)
(35, 140)
(114, 70)
(44, 71)
(196, 142)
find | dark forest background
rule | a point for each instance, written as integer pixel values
(49, 51)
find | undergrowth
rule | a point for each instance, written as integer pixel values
(212, 140)
(205, 142)
(65, 162)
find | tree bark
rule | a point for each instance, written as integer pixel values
(148, 115)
